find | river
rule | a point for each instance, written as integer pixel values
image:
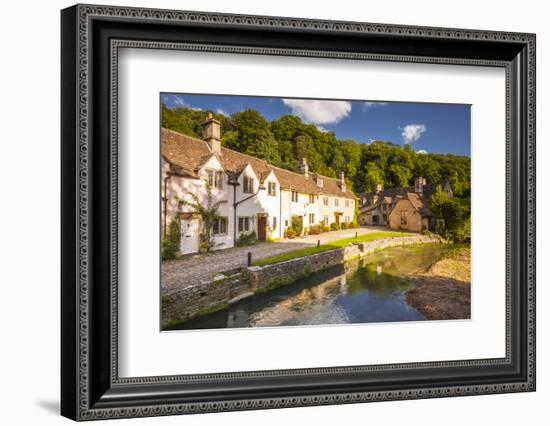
(367, 291)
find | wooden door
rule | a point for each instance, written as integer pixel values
(262, 225)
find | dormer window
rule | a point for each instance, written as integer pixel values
(214, 178)
(248, 185)
(272, 189)
(319, 182)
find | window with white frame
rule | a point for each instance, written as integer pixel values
(220, 226)
(294, 196)
(312, 218)
(214, 178)
(325, 220)
(311, 198)
(243, 224)
(325, 201)
(336, 202)
(248, 185)
(272, 189)
(274, 223)
(347, 203)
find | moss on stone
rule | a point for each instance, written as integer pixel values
(211, 309)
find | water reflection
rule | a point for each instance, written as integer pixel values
(361, 292)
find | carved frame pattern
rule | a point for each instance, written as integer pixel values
(85, 409)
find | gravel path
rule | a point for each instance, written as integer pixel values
(193, 269)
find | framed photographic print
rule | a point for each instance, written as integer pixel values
(263, 212)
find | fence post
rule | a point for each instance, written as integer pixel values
(355, 234)
(249, 258)
(318, 243)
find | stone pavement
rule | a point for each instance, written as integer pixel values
(193, 269)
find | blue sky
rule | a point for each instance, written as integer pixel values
(430, 127)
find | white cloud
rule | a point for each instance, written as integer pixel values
(322, 129)
(412, 132)
(319, 112)
(177, 101)
(173, 100)
(221, 111)
(368, 104)
(421, 151)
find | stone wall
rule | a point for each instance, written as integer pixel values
(265, 278)
(235, 285)
(414, 219)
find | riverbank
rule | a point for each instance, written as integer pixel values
(443, 291)
(228, 288)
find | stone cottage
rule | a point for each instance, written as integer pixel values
(401, 208)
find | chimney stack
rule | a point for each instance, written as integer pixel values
(211, 134)
(419, 183)
(303, 167)
(342, 182)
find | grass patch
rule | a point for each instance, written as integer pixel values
(365, 238)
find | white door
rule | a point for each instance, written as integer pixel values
(189, 236)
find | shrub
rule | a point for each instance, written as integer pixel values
(326, 228)
(296, 223)
(315, 229)
(334, 226)
(169, 250)
(171, 244)
(290, 233)
(344, 225)
(247, 239)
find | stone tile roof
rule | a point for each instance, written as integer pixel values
(420, 201)
(188, 154)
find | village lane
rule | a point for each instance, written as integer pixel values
(197, 268)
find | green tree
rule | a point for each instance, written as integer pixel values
(437, 201)
(456, 212)
(373, 176)
(398, 176)
(249, 132)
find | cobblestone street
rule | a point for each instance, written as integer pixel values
(193, 269)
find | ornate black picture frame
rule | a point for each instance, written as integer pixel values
(91, 37)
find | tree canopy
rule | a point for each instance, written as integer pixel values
(285, 140)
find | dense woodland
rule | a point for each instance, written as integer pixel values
(283, 141)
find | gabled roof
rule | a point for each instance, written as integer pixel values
(189, 154)
(420, 201)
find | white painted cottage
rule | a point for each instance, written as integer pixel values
(257, 196)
